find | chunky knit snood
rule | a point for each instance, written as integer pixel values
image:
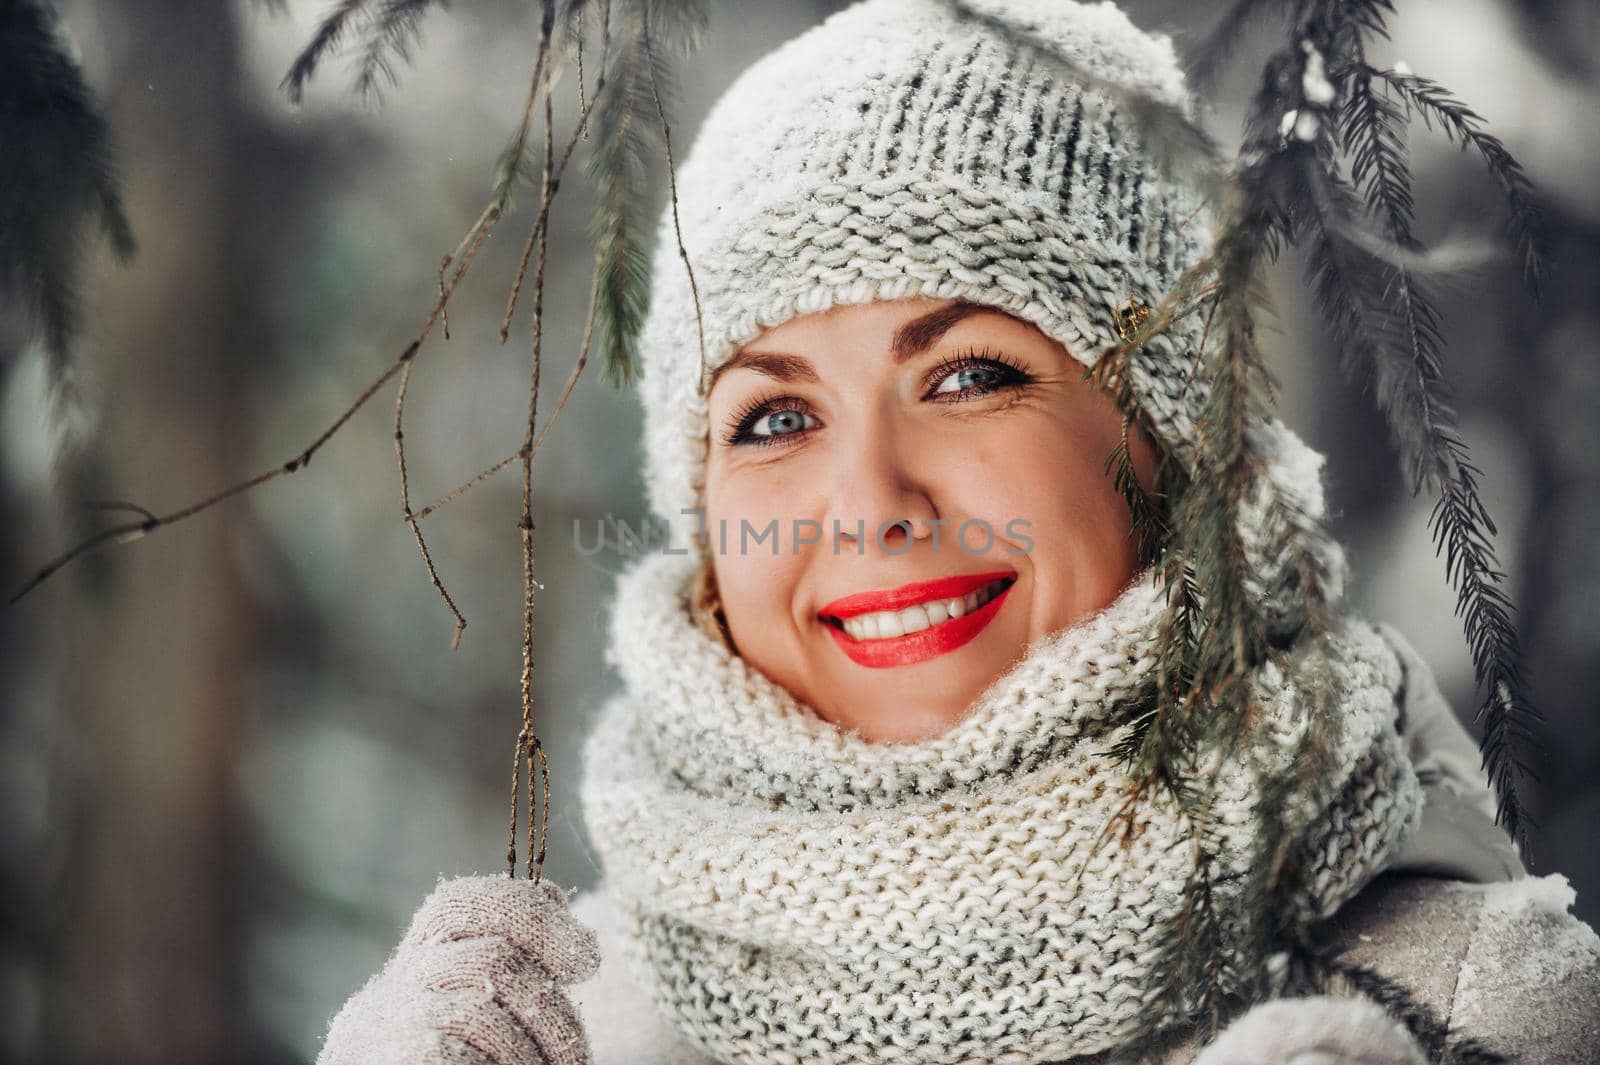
(795, 893)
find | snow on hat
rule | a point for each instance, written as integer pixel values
(943, 149)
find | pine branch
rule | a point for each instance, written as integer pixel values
(1462, 125)
(61, 185)
(329, 35)
(1373, 134)
(1399, 350)
(1287, 190)
(629, 125)
(390, 38)
(1461, 529)
(624, 131)
(677, 27)
(622, 267)
(1386, 327)
(1149, 525)
(389, 33)
(1195, 975)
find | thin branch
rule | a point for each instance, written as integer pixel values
(405, 502)
(444, 315)
(525, 522)
(512, 159)
(577, 368)
(117, 504)
(677, 226)
(572, 379)
(130, 531)
(528, 749)
(516, 792)
(579, 132)
(582, 104)
(468, 485)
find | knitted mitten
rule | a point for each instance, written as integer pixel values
(1314, 1031)
(476, 979)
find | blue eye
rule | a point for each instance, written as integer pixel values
(771, 420)
(781, 423)
(974, 374)
(968, 377)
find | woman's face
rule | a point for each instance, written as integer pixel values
(971, 428)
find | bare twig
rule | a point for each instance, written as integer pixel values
(572, 379)
(516, 792)
(579, 132)
(117, 504)
(405, 503)
(538, 83)
(444, 316)
(672, 192)
(134, 530)
(582, 13)
(577, 368)
(529, 748)
(468, 485)
(528, 737)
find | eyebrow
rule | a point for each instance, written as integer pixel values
(910, 340)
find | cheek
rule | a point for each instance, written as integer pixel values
(1048, 475)
(743, 500)
(757, 570)
(1048, 471)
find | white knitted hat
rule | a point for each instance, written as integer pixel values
(908, 148)
(970, 149)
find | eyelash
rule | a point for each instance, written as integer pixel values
(745, 418)
(1012, 375)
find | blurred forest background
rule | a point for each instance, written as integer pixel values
(235, 755)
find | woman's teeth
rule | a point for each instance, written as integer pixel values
(887, 624)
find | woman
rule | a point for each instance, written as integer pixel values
(852, 804)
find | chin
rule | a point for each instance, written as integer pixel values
(902, 710)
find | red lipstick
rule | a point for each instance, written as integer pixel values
(937, 639)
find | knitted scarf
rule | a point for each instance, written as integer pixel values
(795, 893)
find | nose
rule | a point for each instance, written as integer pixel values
(881, 496)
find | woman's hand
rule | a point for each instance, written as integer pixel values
(1314, 1031)
(476, 980)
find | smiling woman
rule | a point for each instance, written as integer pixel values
(866, 793)
(952, 460)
